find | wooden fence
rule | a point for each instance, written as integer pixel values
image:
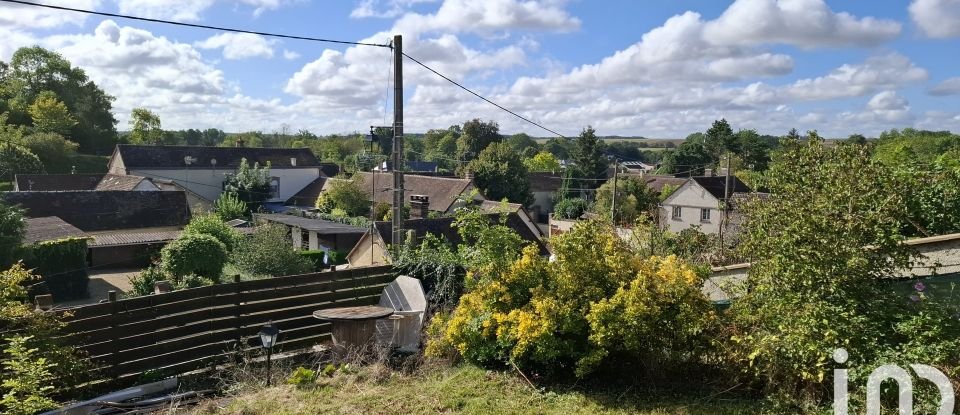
(185, 330)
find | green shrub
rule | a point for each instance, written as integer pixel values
(598, 305)
(143, 283)
(214, 226)
(316, 258)
(15, 160)
(63, 265)
(197, 254)
(229, 207)
(302, 377)
(570, 208)
(12, 230)
(28, 381)
(50, 148)
(193, 281)
(269, 252)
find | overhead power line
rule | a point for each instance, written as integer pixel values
(198, 26)
(481, 96)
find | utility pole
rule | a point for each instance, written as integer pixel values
(726, 200)
(397, 141)
(613, 198)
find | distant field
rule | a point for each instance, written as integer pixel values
(653, 143)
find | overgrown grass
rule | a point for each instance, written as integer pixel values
(464, 389)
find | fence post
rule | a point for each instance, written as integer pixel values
(236, 314)
(114, 335)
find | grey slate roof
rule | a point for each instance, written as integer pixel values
(64, 182)
(442, 191)
(169, 157)
(97, 211)
(48, 228)
(323, 227)
(715, 185)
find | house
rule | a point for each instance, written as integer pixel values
(125, 227)
(444, 193)
(373, 247)
(700, 202)
(544, 187)
(203, 170)
(412, 166)
(658, 183)
(59, 182)
(316, 234)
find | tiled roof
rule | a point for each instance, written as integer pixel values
(545, 181)
(97, 211)
(48, 228)
(442, 191)
(119, 182)
(307, 197)
(716, 185)
(51, 182)
(656, 183)
(165, 157)
(443, 227)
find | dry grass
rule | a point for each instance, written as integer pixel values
(466, 389)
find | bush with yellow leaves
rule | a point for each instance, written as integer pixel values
(596, 301)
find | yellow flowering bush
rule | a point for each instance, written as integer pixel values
(597, 299)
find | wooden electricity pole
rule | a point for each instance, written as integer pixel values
(613, 197)
(398, 201)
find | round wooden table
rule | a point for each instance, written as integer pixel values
(353, 326)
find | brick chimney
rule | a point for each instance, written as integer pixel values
(419, 206)
(708, 172)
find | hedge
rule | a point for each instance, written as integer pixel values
(63, 265)
(316, 257)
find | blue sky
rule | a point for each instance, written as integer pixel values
(652, 68)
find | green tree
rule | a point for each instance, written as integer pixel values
(499, 173)
(753, 151)
(561, 148)
(542, 161)
(858, 139)
(250, 184)
(634, 198)
(820, 275)
(476, 136)
(17, 159)
(720, 139)
(211, 224)
(589, 158)
(229, 207)
(690, 158)
(49, 115)
(12, 231)
(521, 142)
(34, 70)
(145, 127)
(384, 138)
(51, 148)
(347, 195)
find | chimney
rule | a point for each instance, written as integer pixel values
(419, 206)
(722, 171)
(708, 172)
(293, 162)
(468, 174)
(239, 142)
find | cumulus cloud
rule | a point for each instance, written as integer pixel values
(290, 55)
(850, 80)
(239, 45)
(804, 23)
(947, 87)
(23, 16)
(384, 9)
(490, 16)
(883, 109)
(937, 18)
(187, 10)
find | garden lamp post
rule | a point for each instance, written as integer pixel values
(268, 337)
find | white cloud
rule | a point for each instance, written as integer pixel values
(878, 72)
(937, 18)
(239, 45)
(804, 23)
(32, 17)
(187, 10)
(883, 109)
(13, 40)
(290, 55)
(886, 100)
(949, 86)
(489, 17)
(384, 9)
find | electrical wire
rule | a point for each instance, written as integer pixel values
(481, 96)
(198, 26)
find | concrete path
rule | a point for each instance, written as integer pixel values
(102, 281)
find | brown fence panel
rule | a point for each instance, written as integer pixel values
(195, 328)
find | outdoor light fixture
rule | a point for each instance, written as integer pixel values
(268, 338)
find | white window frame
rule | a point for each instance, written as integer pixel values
(704, 215)
(677, 212)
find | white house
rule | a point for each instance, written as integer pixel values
(203, 170)
(700, 202)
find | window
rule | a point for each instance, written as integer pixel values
(704, 215)
(274, 187)
(677, 210)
